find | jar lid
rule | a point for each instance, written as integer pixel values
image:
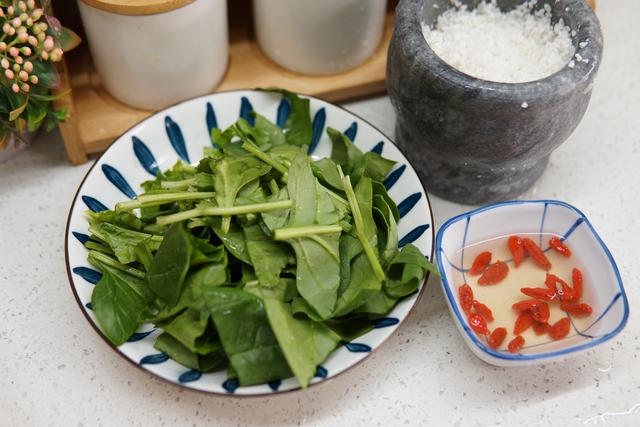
(137, 7)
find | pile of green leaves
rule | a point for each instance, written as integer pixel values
(259, 259)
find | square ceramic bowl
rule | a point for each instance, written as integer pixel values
(608, 299)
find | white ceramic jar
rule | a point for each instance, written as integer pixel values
(153, 53)
(319, 36)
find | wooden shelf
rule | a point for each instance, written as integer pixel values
(97, 119)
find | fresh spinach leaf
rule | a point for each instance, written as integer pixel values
(380, 190)
(231, 174)
(373, 166)
(122, 219)
(362, 285)
(123, 242)
(285, 290)
(388, 230)
(298, 125)
(247, 338)
(351, 327)
(343, 152)
(278, 218)
(233, 239)
(267, 256)
(170, 265)
(327, 173)
(271, 133)
(304, 343)
(118, 307)
(318, 259)
(406, 272)
(188, 327)
(212, 361)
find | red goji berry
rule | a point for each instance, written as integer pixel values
(577, 310)
(540, 328)
(536, 253)
(516, 344)
(564, 291)
(560, 329)
(523, 322)
(483, 311)
(497, 337)
(557, 245)
(551, 280)
(480, 263)
(526, 305)
(541, 312)
(516, 247)
(495, 273)
(477, 323)
(576, 279)
(465, 296)
(567, 294)
(540, 293)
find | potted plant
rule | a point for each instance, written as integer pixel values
(31, 42)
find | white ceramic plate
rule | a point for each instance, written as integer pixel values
(182, 131)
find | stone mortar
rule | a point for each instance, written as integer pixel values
(470, 139)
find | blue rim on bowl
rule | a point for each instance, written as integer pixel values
(508, 359)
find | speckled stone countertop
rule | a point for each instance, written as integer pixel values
(55, 370)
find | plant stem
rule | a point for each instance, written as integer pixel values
(144, 201)
(100, 236)
(91, 245)
(357, 219)
(112, 262)
(97, 233)
(273, 186)
(305, 231)
(223, 211)
(253, 149)
(336, 197)
(177, 185)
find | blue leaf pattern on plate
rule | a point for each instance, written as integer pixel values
(93, 204)
(230, 385)
(88, 274)
(393, 177)
(137, 336)
(82, 238)
(385, 322)
(177, 139)
(89, 306)
(190, 376)
(154, 359)
(274, 385)
(115, 177)
(321, 372)
(319, 120)
(145, 156)
(212, 121)
(352, 131)
(407, 204)
(245, 109)
(413, 235)
(378, 148)
(283, 112)
(356, 347)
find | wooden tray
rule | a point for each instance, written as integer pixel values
(96, 118)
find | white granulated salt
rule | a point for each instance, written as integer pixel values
(512, 47)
